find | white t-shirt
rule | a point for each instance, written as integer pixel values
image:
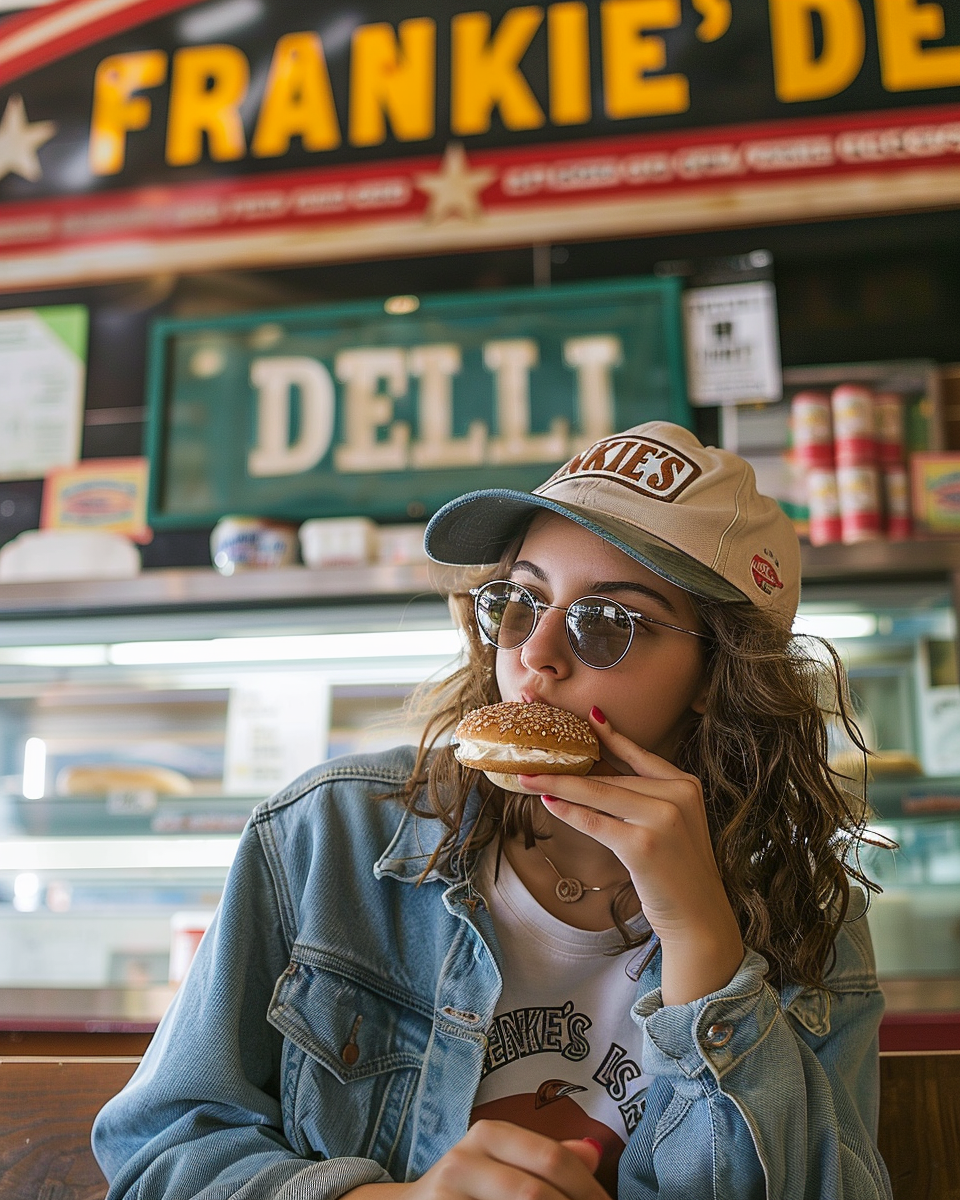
(563, 1055)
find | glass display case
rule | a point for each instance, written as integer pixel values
(133, 747)
(136, 739)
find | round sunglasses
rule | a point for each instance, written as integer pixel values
(600, 630)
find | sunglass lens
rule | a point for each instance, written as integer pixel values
(600, 631)
(506, 615)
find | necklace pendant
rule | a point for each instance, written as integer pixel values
(569, 890)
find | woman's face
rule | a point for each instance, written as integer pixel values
(652, 693)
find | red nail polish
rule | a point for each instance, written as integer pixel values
(595, 1144)
(550, 799)
(598, 717)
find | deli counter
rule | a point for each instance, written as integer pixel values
(141, 721)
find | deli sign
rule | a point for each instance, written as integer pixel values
(180, 135)
(359, 410)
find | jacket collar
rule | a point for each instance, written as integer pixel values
(415, 841)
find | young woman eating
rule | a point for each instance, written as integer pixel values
(652, 980)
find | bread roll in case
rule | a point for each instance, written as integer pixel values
(104, 779)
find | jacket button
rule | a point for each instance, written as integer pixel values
(350, 1053)
(718, 1034)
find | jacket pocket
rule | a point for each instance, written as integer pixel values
(352, 1056)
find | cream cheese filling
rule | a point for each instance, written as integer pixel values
(469, 748)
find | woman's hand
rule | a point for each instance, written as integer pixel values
(497, 1159)
(655, 822)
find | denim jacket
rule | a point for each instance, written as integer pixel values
(330, 1033)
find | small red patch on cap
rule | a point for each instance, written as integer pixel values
(765, 574)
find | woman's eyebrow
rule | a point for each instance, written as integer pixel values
(530, 568)
(603, 585)
(640, 589)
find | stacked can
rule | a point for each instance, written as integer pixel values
(812, 434)
(858, 477)
(891, 459)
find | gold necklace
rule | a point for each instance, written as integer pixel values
(569, 889)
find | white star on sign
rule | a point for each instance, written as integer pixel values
(453, 190)
(20, 141)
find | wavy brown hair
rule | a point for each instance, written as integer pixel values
(785, 828)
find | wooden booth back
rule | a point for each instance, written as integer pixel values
(48, 1102)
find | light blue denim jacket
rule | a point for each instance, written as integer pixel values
(330, 1033)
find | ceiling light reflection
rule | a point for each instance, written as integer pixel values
(419, 643)
(836, 626)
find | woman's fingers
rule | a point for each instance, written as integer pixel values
(618, 795)
(498, 1158)
(644, 762)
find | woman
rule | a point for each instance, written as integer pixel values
(398, 997)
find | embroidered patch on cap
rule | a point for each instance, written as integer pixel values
(765, 574)
(642, 464)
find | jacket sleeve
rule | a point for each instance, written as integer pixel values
(763, 1096)
(201, 1118)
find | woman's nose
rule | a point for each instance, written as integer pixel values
(547, 649)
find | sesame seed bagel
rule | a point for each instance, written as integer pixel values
(507, 740)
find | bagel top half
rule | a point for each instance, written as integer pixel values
(526, 739)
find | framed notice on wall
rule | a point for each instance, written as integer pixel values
(388, 409)
(733, 344)
(43, 356)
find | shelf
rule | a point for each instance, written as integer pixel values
(203, 588)
(892, 560)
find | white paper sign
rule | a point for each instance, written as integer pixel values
(733, 347)
(276, 729)
(42, 376)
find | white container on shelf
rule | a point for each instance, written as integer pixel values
(338, 541)
(401, 544)
(49, 555)
(244, 543)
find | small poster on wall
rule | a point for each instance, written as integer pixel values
(733, 346)
(109, 494)
(43, 361)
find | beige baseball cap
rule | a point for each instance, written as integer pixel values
(689, 512)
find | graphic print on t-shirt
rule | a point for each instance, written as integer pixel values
(605, 1103)
(563, 1050)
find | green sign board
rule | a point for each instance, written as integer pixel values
(389, 409)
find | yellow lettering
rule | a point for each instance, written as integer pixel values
(393, 77)
(297, 101)
(486, 71)
(629, 57)
(904, 63)
(208, 86)
(799, 73)
(568, 49)
(116, 110)
(717, 15)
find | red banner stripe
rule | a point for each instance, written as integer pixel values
(564, 174)
(43, 36)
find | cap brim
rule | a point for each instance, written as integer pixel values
(474, 530)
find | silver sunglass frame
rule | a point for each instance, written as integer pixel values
(538, 605)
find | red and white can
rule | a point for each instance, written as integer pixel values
(823, 505)
(896, 497)
(811, 429)
(888, 427)
(853, 425)
(861, 513)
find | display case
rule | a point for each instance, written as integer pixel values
(899, 645)
(134, 744)
(219, 690)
